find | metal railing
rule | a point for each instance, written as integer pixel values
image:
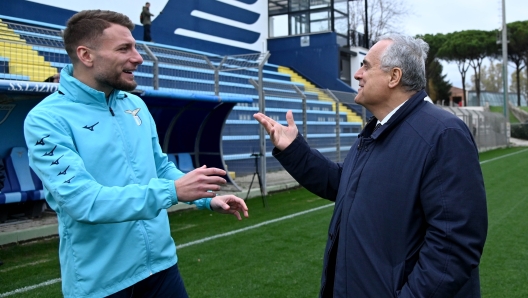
(322, 119)
(29, 53)
(167, 68)
(490, 130)
(34, 54)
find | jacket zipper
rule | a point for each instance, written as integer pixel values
(143, 229)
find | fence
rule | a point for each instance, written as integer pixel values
(329, 120)
(32, 53)
(327, 123)
(165, 67)
(490, 130)
(29, 53)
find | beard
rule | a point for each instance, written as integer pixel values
(115, 81)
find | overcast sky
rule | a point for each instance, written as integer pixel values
(445, 16)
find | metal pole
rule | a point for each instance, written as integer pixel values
(505, 70)
(338, 124)
(305, 116)
(216, 73)
(262, 109)
(366, 25)
(217, 81)
(155, 67)
(262, 132)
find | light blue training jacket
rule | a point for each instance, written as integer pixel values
(109, 182)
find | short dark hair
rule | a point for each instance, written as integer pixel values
(85, 27)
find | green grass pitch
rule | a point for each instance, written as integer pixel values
(278, 250)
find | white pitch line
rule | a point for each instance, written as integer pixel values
(499, 221)
(25, 265)
(53, 281)
(49, 282)
(29, 288)
(251, 227)
(510, 154)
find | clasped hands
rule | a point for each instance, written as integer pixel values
(203, 182)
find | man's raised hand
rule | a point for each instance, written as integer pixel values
(281, 136)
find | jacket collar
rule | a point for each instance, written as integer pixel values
(407, 108)
(82, 93)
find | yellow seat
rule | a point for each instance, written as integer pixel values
(23, 60)
(31, 67)
(308, 86)
(19, 59)
(15, 45)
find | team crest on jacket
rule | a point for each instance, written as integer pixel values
(134, 114)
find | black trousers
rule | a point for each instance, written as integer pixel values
(164, 284)
(146, 33)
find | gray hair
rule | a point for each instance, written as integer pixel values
(408, 54)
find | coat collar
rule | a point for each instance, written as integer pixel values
(407, 108)
(82, 93)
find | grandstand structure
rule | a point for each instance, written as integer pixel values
(214, 64)
(202, 101)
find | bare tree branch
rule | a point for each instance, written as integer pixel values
(384, 16)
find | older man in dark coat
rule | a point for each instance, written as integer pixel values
(410, 217)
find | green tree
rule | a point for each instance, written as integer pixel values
(518, 50)
(478, 45)
(451, 50)
(438, 88)
(490, 77)
(523, 87)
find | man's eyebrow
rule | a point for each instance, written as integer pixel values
(127, 44)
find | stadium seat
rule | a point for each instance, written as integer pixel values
(185, 163)
(25, 181)
(11, 197)
(8, 194)
(172, 158)
(17, 163)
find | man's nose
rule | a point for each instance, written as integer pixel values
(137, 57)
(358, 74)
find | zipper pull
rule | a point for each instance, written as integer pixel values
(111, 111)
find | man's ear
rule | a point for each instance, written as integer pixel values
(85, 56)
(395, 77)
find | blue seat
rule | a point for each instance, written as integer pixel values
(172, 159)
(8, 194)
(185, 163)
(22, 177)
(26, 188)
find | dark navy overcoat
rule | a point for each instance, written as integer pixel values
(410, 217)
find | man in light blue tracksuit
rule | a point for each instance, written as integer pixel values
(96, 150)
(410, 217)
